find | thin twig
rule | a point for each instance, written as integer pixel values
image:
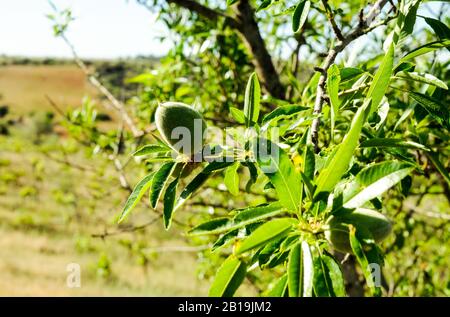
(363, 27)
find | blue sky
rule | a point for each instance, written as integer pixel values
(102, 29)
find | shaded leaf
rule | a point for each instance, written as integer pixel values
(252, 99)
(437, 110)
(159, 181)
(441, 30)
(300, 15)
(169, 202)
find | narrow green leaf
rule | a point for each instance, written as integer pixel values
(151, 148)
(231, 2)
(333, 81)
(437, 110)
(441, 30)
(169, 202)
(159, 181)
(300, 15)
(340, 161)
(238, 115)
(282, 112)
(300, 271)
(231, 179)
(228, 278)
(243, 218)
(199, 180)
(381, 79)
(270, 230)
(136, 195)
(349, 73)
(336, 276)
(252, 100)
(396, 143)
(280, 288)
(253, 175)
(434, 158)
(406, 20)
(358, 250)
(376, 179)
(309, 161)
(430, 47)
(278, 167)
(423, 78)
(322, 283)
(264, 5)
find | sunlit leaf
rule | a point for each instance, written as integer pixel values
(280, 288)
(423, 78)
(238, 115)
(340, 161)
(333, 81)
(278, 167)
(228, 278)
(242, 219)
(136, 195)
(381, 79)
(376, 179)
(231, 179)
(427, 48)
(151, 148)
(270, 230)
(395, 143)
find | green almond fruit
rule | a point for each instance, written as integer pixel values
(181, 126)
(363, 220)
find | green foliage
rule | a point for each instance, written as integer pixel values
(319, 179)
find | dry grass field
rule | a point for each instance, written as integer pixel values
(24, 87)
(49, 211)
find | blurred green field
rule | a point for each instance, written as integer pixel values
(48, 214)
(49, 210)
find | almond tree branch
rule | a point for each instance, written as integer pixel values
(364, 27)
(330, 16)
(116, 104)
(245, 24)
